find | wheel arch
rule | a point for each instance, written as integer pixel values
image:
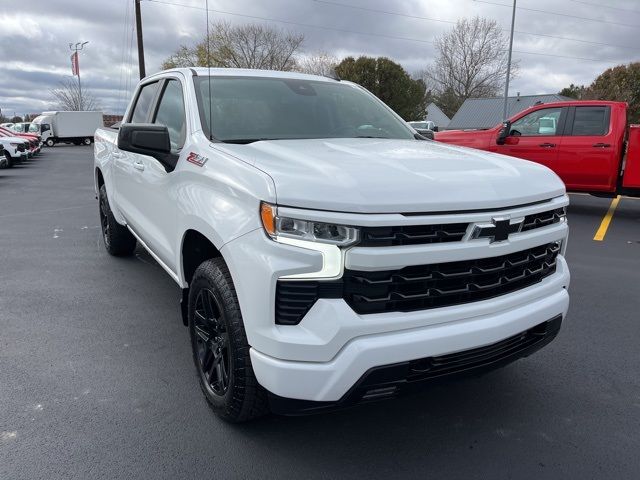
(195, 248)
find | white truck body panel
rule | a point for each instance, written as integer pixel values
(74, 124)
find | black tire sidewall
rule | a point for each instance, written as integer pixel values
(121, 242)
(218, 402)
(245, 399)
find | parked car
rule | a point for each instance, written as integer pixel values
(21, 127)
(33, 143)
(326, 254)
(69, 127)
(15, 149)
(424, 128)
(582, 141)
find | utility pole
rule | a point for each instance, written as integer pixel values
(76, 48)
(506, 84)
(140, 44)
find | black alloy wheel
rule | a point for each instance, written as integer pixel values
(212, 342)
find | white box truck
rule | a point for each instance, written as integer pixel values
(69, 127)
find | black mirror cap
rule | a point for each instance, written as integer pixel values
(144, 138)
(503, 133)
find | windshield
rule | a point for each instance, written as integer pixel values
(33, 128)
(248, 109)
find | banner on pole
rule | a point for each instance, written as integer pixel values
(75, 67)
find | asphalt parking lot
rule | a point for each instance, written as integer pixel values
(96, 378)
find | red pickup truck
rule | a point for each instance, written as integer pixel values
(587, 143)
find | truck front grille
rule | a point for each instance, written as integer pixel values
(439, 233)
(543, 219)
(420, 287)
(411, 235)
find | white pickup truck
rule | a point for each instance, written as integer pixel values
(327, 254)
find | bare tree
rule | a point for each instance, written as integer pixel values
(67, 97)
(471, 62)
(183, 57)
(320, 63)
(241, 46)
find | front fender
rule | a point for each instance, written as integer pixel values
(220, 200)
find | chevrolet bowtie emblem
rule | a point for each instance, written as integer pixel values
(498, 230)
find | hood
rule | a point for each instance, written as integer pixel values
(395, 176)
(15, 139)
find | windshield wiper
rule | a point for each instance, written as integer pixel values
(368, 136)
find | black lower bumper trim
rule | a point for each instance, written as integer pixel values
(389, 381)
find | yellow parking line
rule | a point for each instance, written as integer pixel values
(604, 225)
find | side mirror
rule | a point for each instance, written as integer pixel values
(147, 139)
(503, 133)
(435, 128)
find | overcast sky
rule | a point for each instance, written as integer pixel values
(35, 34)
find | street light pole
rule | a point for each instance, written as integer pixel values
(76, 48)
(506, 84)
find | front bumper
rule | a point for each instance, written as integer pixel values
(389, 381)
(330, 381)
(329, 351)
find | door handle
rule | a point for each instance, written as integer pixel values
(547, 145)
(601, 145)
(138, 165)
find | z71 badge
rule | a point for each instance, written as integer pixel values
(196, 159)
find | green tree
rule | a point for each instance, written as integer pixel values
(579, 92)
(389, 82)
(621, 83)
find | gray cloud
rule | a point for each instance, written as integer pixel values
(34, 54)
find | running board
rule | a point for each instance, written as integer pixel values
(166, 268)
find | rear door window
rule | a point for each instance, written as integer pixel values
(590, 121)
(140, 112)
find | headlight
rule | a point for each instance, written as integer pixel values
(326, 238)
(332, 234)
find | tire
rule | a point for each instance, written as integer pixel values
(118, 240)
(86, 141)
(219, 346)
(49, 142)
(9, 160)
